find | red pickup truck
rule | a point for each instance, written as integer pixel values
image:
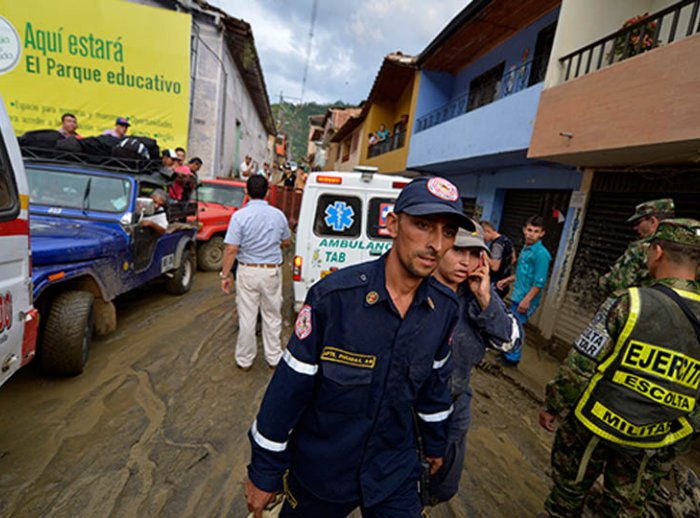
(218, 199)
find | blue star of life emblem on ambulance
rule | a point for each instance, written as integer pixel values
(339, 216)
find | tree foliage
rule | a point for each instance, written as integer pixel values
(293, 119)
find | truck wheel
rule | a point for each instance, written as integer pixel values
(181, 281)
(210, 254)
(68, 333)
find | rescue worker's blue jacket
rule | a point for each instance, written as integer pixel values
(338, 408)
(475, 331)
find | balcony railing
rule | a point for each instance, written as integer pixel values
(395, 141)
(644, 35)
(513, 80)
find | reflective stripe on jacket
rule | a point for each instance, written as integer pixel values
(338, 408)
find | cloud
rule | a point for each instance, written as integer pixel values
(350, 41)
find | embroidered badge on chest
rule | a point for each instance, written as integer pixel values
(443, 189)
(303, 327)
(372, 297)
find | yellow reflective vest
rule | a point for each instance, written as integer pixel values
(642, 393)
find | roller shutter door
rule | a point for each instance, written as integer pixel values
(520, 204)
(469, 206)
(606, 234)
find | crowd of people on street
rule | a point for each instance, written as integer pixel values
(378, 365)
(375, 379)
(288, 175)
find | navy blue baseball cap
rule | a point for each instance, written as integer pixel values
(426, 196)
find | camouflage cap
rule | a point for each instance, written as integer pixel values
(683, 231)
(652, 207)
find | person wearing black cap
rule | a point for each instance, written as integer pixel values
(369, 352)
(121, 126)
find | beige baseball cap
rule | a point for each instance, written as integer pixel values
(472, 238)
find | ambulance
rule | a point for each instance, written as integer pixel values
(18, 319)
(342, 221)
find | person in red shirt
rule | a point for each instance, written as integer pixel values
(184, 180)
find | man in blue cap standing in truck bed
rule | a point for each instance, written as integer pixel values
(369, 349)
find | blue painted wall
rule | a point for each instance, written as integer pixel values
(435, 90)
(489, 187)
(502, 126)
(511, 51)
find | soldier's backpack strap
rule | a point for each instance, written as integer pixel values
(681, 303)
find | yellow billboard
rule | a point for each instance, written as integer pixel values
(99, 60)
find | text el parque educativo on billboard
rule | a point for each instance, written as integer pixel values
(49, 46)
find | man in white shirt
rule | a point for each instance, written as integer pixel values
(256, 235)
(158, 221)
(247, 168)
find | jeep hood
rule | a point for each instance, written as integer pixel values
(68, 241)
(214, 213)
(214, 210)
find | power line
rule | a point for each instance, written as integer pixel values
(314, 10)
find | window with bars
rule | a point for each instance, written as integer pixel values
(484, 89)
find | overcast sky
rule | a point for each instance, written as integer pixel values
(351, 37)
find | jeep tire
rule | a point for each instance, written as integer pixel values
(181, 281)
(210, 254)
(68, 333)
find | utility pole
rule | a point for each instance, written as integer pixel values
(312, 23)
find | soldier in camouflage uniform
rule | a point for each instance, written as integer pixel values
(630, 385)
(630, 268)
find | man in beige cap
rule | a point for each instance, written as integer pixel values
(630, 269)
(484, 322)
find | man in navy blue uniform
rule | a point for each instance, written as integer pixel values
(369, 348)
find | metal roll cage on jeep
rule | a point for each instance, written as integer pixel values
(89, 246)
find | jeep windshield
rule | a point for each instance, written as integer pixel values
(81, 191)
(229, 195)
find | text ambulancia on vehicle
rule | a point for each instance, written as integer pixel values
(342, 221)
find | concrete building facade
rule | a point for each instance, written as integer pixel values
(230, 113)
(480, 85)
(620, 103)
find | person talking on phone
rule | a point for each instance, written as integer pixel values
(483, 322)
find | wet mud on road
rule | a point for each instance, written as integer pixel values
(157, 424)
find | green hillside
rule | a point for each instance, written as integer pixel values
(293, 119)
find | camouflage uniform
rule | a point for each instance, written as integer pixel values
(624, 494)
(630, 269)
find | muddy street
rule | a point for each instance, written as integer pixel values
(156, 425)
